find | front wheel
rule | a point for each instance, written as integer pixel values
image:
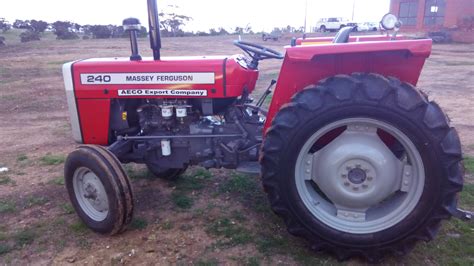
(362, 165)
(99, 189)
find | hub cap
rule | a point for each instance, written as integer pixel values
(90, 194)
(355, 183)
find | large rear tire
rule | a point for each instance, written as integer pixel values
(99, 189)
(362, 165)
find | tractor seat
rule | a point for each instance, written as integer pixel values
(342, 35)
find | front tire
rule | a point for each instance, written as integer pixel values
(334, 164)
(99, 189)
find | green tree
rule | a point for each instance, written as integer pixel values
(238, 30)
(64, 30)
(29, 36)
(248, 29)
(222, 31)
(4, 25)
(38, 25)
(21, 24)
(101, 31)
(171, 22)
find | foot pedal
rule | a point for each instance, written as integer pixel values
(249, 168)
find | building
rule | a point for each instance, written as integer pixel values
(456, 16)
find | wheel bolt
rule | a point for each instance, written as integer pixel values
(358, 165)
(344, 176)
(346, 184)
(355, 188)
(308, 171)
(369, 178)
(365, 186)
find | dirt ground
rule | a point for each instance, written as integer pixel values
(208, 217)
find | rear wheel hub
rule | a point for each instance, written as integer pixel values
(355, 183)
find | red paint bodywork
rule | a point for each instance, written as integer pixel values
(307, 64)
(310, 61)
(93, 101)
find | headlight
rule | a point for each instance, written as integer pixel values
(389, 22)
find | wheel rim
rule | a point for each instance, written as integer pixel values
(355, 183)
(90, 194)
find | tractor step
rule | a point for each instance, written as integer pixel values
(249, 168)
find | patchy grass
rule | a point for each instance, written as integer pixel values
(467, 196)
(239, 183)
(202, 173)
(453, 246)
(167, 225)
(248, 189)
(51, 159)
(189, 183)
(232, 231)
(138, 223)
(268, 243)
(57, 181)
(207, 262)
(21, 158)
(67, 208)
(5, 248)
(32, 201)
(469, 164)
(7, 206)
(5, 180)
(181, 200)
(137, 173)
(25, 237)
(78, 227)
(251, 261)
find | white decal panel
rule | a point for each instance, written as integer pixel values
(162, 92)
(148, 78)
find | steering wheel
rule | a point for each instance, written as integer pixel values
(257, 52)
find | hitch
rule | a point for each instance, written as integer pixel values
(462, 215)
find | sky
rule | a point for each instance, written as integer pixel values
(262, 15)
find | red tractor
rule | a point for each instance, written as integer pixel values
(352, 156)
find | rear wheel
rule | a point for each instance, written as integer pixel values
(362, 165)
(322, 28)
(99, 189)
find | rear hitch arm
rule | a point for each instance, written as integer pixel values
(462, 214)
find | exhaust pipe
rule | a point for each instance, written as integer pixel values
(154, 25)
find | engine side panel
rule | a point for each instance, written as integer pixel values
(306, 65)
(91, 84)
